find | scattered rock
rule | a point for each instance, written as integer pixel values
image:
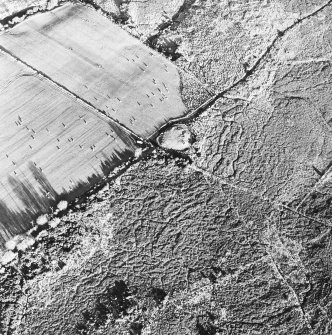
(62, 205)
(42, 219)
(176, 138)
(138, 152)
(42, 234)
(11, 244)
(54, 222)
(8, 257)
(26, 243)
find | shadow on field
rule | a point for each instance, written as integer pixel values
(35, 201)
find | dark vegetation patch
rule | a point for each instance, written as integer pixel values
(51, 249)
(135, 328)
(213, 273)
(123, 18)
(205, 326)
(165, 46)
(109, 307)
(10, 20)
(158, 294)
(120, 302)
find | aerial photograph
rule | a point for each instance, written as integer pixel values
(165, 167)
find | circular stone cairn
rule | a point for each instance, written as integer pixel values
(177, 137)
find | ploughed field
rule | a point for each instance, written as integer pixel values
(77, 97)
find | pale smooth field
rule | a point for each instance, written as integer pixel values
(95, 59)
(52, 146)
